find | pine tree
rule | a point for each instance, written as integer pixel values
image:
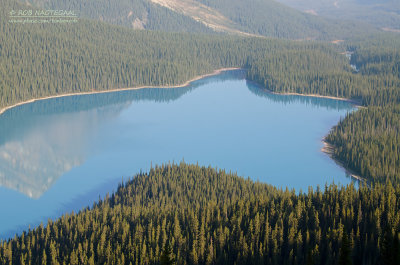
(345, 251)
(387, 252)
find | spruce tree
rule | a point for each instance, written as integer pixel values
(166, 256)
(345, 251)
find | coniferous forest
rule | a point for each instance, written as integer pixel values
(209, 216)
(196, 215)
(369, 141)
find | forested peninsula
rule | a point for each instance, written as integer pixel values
(210, 216)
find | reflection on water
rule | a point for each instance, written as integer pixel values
(288, 99)
(61, 154)
(49, 146)
(43, 140)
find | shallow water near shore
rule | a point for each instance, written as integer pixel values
(60, 155)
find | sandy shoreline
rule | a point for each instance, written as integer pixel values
(216, 72)
(318, 96)
(328, 149)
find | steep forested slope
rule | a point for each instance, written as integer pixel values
(260, 17)
(270, 18)
(211, 217)
(137, 14)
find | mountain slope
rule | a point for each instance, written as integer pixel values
(253, 17)
(138, 14)
(202, 13)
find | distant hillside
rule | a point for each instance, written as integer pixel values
(382, 13)
(270, 18)
(253, 17)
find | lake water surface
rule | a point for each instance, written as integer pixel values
(59, 155)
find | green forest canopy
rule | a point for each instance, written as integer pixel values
(213, 217)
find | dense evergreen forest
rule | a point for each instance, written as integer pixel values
(369, 142)
(377, 81)
(208, 216)
(42, 60)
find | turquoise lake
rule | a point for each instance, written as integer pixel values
(60, 155)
